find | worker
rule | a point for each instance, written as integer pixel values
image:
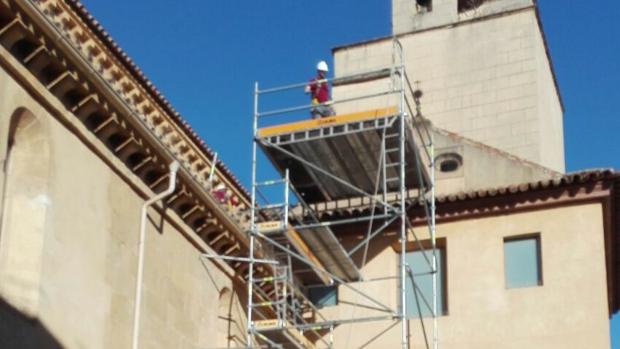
(318, 88)
(225, 197)
(220, 193)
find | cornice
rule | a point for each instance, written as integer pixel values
(159, 118)
(64, 59)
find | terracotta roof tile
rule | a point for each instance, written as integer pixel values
(580, 177)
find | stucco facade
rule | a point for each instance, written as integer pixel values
(569, 310)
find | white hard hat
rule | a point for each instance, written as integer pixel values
(322, 66)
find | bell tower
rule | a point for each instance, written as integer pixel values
(411, 15)
(484, 68)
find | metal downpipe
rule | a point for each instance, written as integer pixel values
(174, 167)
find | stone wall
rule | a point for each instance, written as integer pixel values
(489, 80)
(414, 15)
(68, 247)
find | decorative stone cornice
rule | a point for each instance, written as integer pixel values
(137, 92)
(121, 108)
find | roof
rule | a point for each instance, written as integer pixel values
(570, 179)
(137, 73)
(575, 178)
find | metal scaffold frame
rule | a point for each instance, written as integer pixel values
(390, 209)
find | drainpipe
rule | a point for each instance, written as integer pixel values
(174, 167)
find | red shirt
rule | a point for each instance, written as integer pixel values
(319, 89)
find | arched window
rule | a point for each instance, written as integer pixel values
(24, 209)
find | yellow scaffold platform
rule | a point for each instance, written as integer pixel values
(347, 146)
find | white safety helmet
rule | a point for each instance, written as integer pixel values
(322, 66)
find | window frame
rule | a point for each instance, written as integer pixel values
(441, 244)
(539, 259)
(316, 304)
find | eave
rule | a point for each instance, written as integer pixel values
(48, 48)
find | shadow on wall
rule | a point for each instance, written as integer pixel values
(18, 330)
(231, 327)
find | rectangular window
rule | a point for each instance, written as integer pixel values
(323, 296)
(420, 297)
(522, 261)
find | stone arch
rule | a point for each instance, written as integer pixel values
(24, 210)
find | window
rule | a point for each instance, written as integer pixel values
(418, 297)
(467, 5)
(425, 4)
(522, 261)
(25, 211)
(448, 162)
(323, 296)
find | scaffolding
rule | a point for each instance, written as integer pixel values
(389, 166)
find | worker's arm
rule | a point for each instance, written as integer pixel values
(311, 86)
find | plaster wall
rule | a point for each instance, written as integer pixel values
(568, 311)
(482, 167)
(487, 79)
(87, 250)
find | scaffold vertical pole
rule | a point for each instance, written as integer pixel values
(384, 171)
(403, 214)
(434, 243)
(252, 221)
(286, 198)
(289, 265)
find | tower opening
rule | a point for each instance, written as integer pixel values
(468, 5)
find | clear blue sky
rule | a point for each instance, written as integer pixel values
(205, 55)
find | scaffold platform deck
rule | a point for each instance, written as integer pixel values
(318, 245)
(322, 154)
(283, 333)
